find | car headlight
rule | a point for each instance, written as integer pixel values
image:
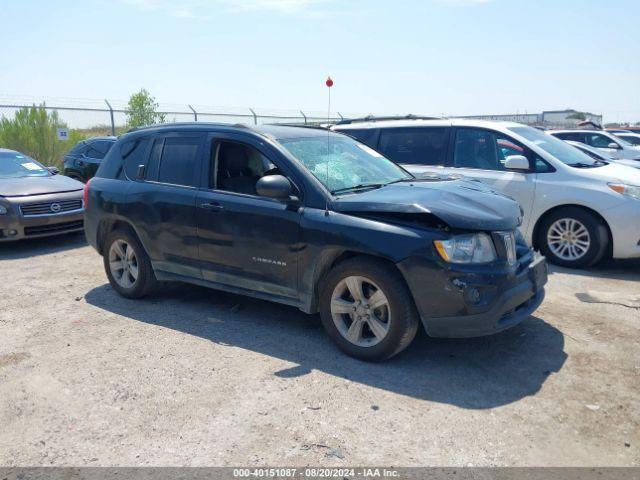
(632, 191)
(472, 248)
(3, 210)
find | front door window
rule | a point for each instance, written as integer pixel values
(479, 149)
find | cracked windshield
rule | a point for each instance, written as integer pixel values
(342, 164)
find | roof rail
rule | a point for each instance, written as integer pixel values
(373, 118)
(316, 126)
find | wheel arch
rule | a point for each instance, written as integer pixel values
(330, 260)
(541, 218)
(108, 225)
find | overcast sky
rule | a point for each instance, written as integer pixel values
(386, 56)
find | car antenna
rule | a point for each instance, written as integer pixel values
(329, 84)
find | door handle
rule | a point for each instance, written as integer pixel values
(215, 207)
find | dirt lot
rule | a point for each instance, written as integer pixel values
(197, 377)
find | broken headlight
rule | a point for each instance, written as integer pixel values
(472, 248)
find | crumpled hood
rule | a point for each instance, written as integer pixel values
(20, 187)
(461, 203)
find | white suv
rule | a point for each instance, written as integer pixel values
(607, 142)
(576, 209)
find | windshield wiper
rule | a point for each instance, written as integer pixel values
(400, 180)
(360, 186)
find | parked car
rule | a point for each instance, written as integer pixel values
(83, 160)
(34, 200)
(628, 129)
(313, 219)
(615, 132)
(600, 155)
(602, 140)
(576, 209)
(632, 138)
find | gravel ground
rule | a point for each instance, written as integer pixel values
(197, 377)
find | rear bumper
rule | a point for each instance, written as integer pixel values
(16, 226)
(473, 302)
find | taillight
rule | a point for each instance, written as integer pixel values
(85, 194)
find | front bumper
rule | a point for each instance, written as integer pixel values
(624, 223)
(472, 302)
(16, 226)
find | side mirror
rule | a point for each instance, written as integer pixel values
(517, 162)
(140, 172)
(274, 186)
(53, 170)
(614, 145)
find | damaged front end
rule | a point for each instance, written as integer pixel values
(476, 275)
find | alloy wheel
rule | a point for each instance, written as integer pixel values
(568, 239)
(123, 263)
(360, 311)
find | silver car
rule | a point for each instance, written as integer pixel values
(600, 155)
(604, 141)
(35, 201)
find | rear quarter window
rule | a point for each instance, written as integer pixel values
(133, 154)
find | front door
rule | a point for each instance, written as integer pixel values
(603, 143)
(480, 154)
(245, 240)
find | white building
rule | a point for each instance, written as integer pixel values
(548, 118)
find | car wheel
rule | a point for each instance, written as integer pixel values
(367, 309)
(572, 237)
(127, 265)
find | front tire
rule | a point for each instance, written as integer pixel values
(572, 237)
(127, 265)
(367, 309)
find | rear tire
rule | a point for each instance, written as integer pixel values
(384, 322)
(127, 265)
(572, 237)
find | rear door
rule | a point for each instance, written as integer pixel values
(162, 204)
(245, 240)
(421, 150)
(481, 153)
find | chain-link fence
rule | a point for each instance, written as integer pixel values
(110, 116)
(36, 131)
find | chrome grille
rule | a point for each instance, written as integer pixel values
(50, 208)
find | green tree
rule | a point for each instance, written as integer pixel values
(33, 130)
(142, 109)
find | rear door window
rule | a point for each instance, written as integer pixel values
(179, 162)
(414, 145)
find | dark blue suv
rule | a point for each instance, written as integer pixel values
(313, 219)
(83, 160)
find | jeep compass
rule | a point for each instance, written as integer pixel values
(317, 220)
